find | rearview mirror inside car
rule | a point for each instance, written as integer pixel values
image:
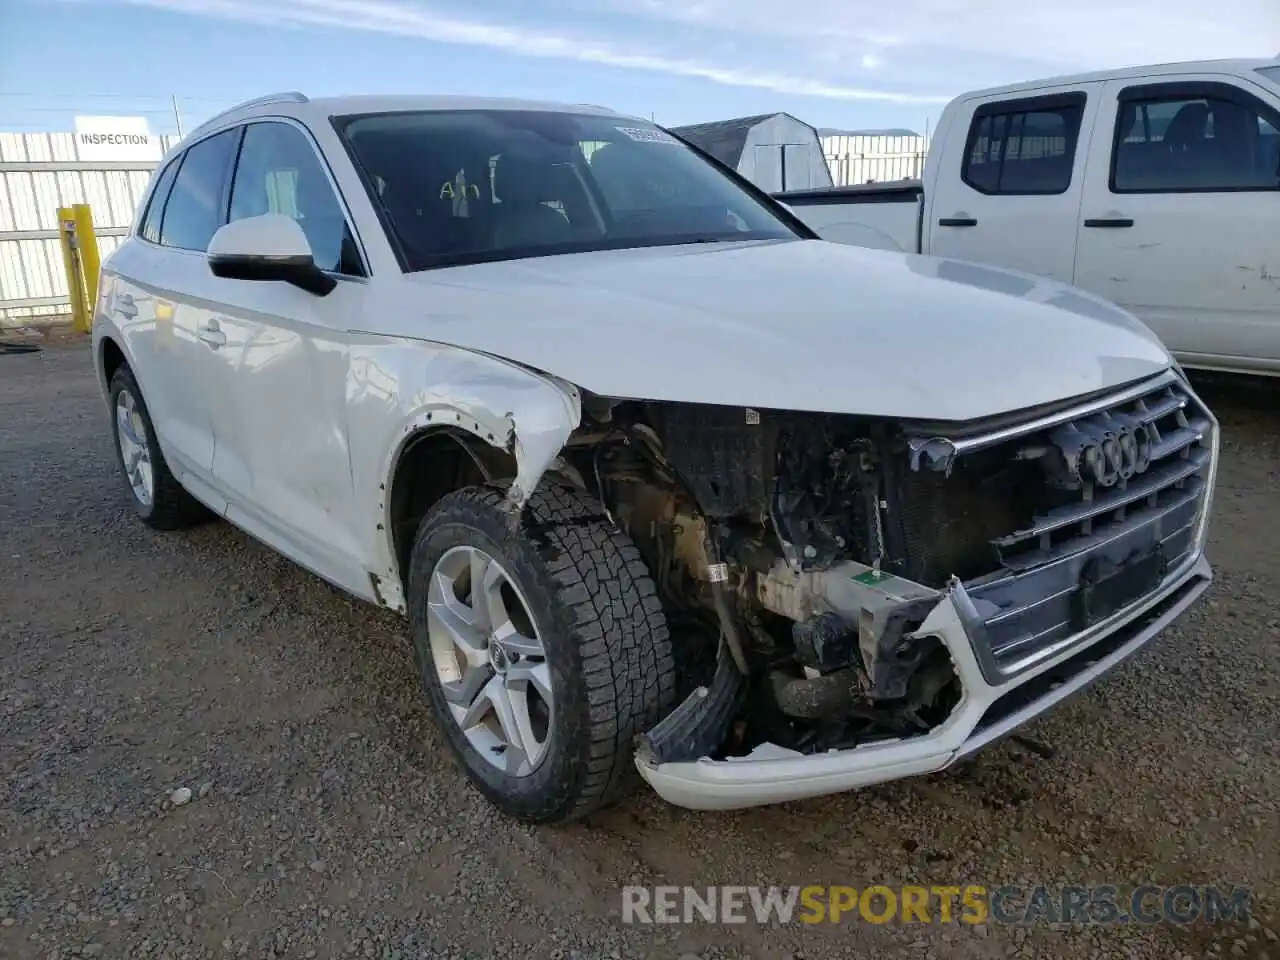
(268, 247)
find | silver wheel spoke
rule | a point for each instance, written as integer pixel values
(486, 580)
(527, 682)
(123, 425)
(131, 437)
(528, 673)
(494, 697)
(457, 621)
(488, 597)
(463, 692)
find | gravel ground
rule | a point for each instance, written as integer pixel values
(326, 819)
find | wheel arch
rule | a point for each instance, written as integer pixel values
(433, 461)
(111, 357)
(440, 416)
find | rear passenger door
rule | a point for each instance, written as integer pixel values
(1015, 199)
(163, 300)
(1181, 216)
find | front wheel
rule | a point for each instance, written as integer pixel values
(543, 648)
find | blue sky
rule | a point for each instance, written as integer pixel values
(846, 63)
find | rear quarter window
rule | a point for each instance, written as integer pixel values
(197, 201)
(150, 228)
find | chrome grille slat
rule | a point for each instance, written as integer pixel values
(1090, 541)
(1114, 499)
(1167, 404)
(980, 588)
(1018, 611)
(1179, 439)
(1033, 638)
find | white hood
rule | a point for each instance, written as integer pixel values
(794, 325)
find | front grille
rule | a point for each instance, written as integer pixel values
(1045, 586)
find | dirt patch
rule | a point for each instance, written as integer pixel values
(327, 819)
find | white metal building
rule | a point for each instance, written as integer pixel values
(774, 151)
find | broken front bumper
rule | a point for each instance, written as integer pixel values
(986, 713)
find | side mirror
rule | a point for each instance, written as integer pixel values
(269, 247)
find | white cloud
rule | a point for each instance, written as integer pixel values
(1069, 34)
(416, 19)
(906, 52)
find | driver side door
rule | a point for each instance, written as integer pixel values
(283, 455)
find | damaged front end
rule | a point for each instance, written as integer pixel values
(855, 600)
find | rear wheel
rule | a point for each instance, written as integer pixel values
(543, 648)
(158, 498)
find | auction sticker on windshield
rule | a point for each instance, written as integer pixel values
(647, 135)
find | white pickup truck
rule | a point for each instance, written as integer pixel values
(1157, 188)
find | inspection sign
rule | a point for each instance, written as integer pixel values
(116, 139)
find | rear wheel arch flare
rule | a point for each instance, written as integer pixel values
(111, 357)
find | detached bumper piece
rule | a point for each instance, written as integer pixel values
(700, 724)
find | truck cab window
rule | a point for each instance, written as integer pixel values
(1023, 147)
(1194, 144)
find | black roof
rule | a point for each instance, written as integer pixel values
(724, 139)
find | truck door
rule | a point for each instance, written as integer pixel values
(1181, 216)
(1013, 198)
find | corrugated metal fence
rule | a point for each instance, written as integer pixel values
(874, 159)
(40, 172)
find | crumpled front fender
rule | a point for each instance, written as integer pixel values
(398, 388)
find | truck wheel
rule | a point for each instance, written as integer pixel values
(159, 499)
(543, 648)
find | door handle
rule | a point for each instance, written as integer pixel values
(211, 335)
(1113, 223)
(957, 222)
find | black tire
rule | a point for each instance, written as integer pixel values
(171, 507)
(606, 640)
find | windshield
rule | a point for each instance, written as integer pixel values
(1271, 73)
(466, 186)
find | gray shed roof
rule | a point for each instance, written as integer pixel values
(724, 139)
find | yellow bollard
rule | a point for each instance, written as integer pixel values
(71, 261)
(90, 265)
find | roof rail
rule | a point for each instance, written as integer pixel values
(289, 96)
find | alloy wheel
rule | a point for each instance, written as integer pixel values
(135, 454)
(490, 659)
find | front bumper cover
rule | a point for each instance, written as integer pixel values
(986, 713)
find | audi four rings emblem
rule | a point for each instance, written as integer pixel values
(1105, 450)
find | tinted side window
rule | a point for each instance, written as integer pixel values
(279, 172)
(1023, 146)
(155, 209)
(194, 211)
(1194, 144)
